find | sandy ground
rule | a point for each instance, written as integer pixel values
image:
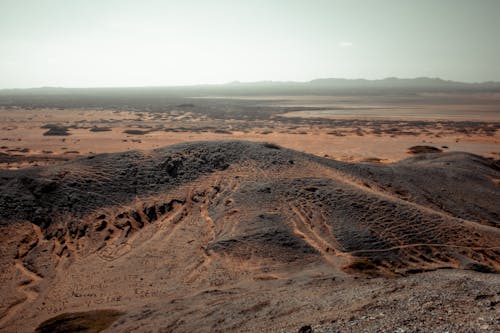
(187, 257)
(22, 135)
(257, 245)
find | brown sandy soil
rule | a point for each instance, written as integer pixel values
(328, 222)
(237, 236)
(24, 140)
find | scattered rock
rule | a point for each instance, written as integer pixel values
(423, 150)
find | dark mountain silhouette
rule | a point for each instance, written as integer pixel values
(323, 85)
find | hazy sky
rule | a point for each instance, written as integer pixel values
(76, 43)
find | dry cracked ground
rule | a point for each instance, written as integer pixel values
(233, 236)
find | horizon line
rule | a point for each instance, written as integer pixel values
(235, 82)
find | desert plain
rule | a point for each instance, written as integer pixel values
(150, 210)
(348, 128)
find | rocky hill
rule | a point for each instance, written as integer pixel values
(139, 231)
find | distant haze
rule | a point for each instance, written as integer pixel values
(96, 43)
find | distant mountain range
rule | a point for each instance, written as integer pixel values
(390, 82)
(317, 86)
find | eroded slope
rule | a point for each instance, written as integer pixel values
(138, 229)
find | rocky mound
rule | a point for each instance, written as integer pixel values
(197, 216)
